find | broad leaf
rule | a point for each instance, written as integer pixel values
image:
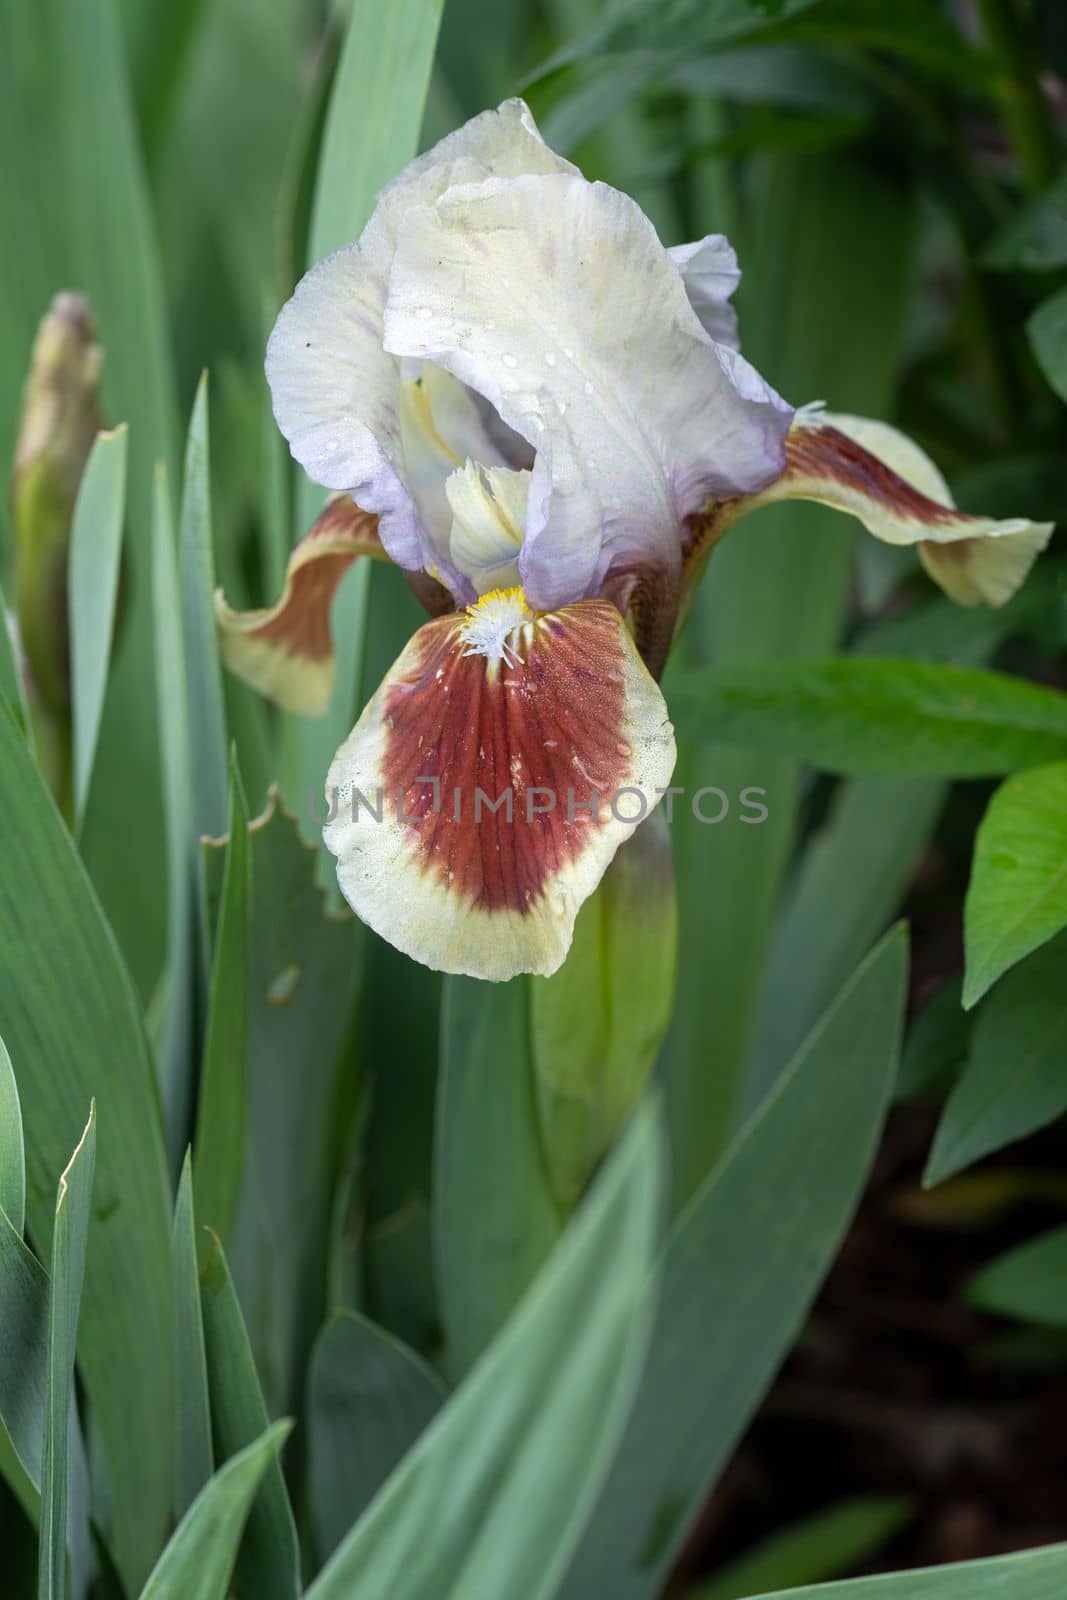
(70, 1020)
(1015, 1079)
(1037, 237)
(1018, 891)
(93, 579)
(199, 1559)
(874, 836)
(493, 1497)
(23, 1358)
(908, 718)
(369, 1399)
(69, 1240)
(194, 1461)
(839, 239)
(81, 179)
(222, 1112)
(268, 1565)
(809, 1551)
(1034, 1575)
(179, 1023)
(207, 715)
(303, 974)
(12, 1151)
(12, 691)
(1047, 331)
(757, 1237)
(1029, 1282)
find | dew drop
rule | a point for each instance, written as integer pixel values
(551, 358)
(424, 313)
(561, 406)
(623, 749)
(490, 324)
(588, 387)
(510, 361)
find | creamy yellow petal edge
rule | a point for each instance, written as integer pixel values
(478, 801)
(285, 651)
(877, 474)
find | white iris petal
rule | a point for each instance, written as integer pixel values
(554, 298)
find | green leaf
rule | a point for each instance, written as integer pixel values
(938, 1043)
(24, 1364)
(1046, 329)
(203, 675)
(813, 1549)
(198, 1560)
(1034, 1575)
(100, 236)
(95, 561)
(1015, 1080)
(757, 1237)
(176, 1043)
(68, 1271)
(194, 1461)
(494, 1217)
(11, 687)
(369, 1399)
(12, 1149)
(23, 1351)
(1036, 239)
(1018, 891)
(1029, 1282)
(72, 1026)
(859, 715)
(221, 1117)
(838, 238)
(95, 235)
(493, 1497)
(371, 132)
(874, 835)
(303, 975)
(268, 1564)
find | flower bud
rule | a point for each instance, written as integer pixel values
(597, 1024)
(60, 420)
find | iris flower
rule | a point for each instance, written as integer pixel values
(525, 401)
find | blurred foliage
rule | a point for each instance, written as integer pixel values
(502, 1384)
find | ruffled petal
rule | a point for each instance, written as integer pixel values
(336, 391)
(560, 712)
(554, 299)
(285, 651)
(710, 273)
(880, 476)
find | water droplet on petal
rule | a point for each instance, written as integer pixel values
(510, 361)
(588, 387)
(551, 358)
(424, 313)
(623, 749)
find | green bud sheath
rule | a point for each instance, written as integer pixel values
(60, 419)
(597, 1024)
